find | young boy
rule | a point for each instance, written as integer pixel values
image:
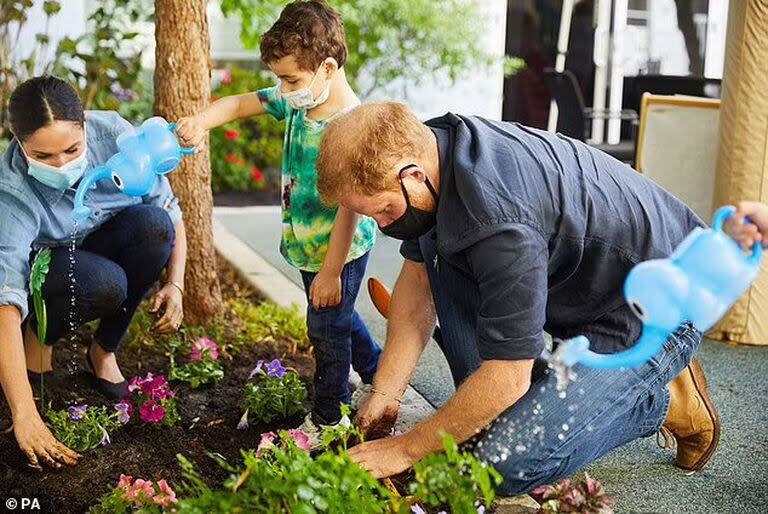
(306, 49)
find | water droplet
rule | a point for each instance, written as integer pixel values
(565, 426)
(520, 448)
(562, 395)
(590, 428)
(504, 457)
(571, 420)
(543, 389)
(561, 436)
(520, 474)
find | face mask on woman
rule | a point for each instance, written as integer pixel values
(59, 178)
(303, 99)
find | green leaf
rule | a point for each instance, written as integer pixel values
(51, 7)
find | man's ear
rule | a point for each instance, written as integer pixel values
(414, 172)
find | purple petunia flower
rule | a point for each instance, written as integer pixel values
(77, 412)
(275, 369)
(124, 412)
(243, 424)
(256, 370)
(417, 509)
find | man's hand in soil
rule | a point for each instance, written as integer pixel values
(377, 415)
(39, 445)
(325, 290)
(386, 457)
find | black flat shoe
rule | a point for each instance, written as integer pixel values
(113, 391)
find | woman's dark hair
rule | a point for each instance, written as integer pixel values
(41, 100)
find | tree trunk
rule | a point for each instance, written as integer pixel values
(183, 88)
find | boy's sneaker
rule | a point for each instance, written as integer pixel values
(359, 396)
(314, 428)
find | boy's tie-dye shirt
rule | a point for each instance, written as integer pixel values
(307, 223)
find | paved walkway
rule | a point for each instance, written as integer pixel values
(639, 474)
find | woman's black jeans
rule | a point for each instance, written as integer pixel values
(114, 268)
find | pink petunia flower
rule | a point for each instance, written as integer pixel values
(166, 496)
(301, 439)
(141, 490)
(124, 482)
(267, 442)
(151, 412)
(202, 347)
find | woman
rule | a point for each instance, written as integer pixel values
(120, 253)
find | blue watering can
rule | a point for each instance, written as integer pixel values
(143, 154)
(699, 282)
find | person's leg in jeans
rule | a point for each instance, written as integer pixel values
(330, 331)
(365, 350)
(546, 436)
(139, 239)
(112, 271)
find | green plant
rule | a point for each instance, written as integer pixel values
(246, 155)
(585, 496)
(136, 496)
(268, 321)
(340, 434)
(203, 364)
(388, 39)
(37, 276)
(454, 478)
(290, 481)
(276, 394)
(104, 64)
(83, 428)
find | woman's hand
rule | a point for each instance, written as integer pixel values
(191, 131)
(39, 445)
(377, 415)
(325, 290)
(171, 299)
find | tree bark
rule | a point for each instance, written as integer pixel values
(183, 88)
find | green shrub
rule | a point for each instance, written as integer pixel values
(454, 479)
(83, 428)
(268, 321)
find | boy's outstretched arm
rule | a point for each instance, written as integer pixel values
(325, 290)
(192, 129)
(754, 230)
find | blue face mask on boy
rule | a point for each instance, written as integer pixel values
(59, 178)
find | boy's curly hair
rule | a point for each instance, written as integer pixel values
(311, 31)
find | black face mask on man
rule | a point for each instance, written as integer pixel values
(414, 222)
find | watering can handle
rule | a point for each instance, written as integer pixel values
(725, 212)
(185, 151)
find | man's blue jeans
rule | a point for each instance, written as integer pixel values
(340, 339)
(543, 436)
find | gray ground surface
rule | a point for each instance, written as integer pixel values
(640, 475)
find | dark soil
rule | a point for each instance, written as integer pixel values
(209, 416)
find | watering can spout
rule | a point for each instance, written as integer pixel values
(80, 211)
(576, 351)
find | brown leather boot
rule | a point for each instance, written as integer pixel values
(692, 421)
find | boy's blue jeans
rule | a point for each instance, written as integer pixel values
(543, 436)
(340, 339)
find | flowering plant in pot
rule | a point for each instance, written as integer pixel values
(154, 400)
(275, 393)
(203, 365)
(583, 496)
